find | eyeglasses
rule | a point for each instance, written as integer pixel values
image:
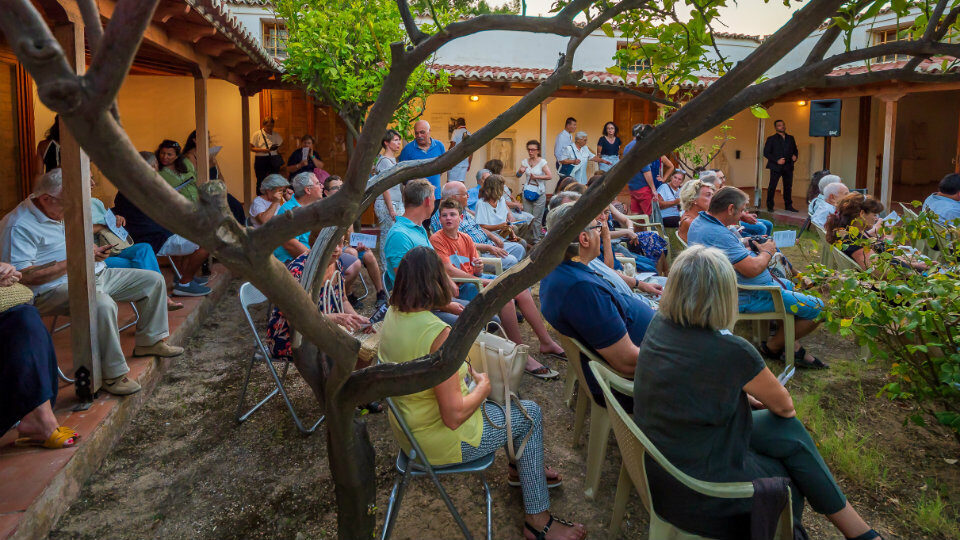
(332, 189)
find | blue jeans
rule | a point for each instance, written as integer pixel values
(802, 306)
(136, 256)
(762, 226)
(644, 264)
(469, 291)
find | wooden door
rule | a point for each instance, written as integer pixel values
(17, 149)
(628, 112)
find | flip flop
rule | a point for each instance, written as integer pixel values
(542, 372)
(174, 306)
(556, 356)
(62, 437)
(768, 353)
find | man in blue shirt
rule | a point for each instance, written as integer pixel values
(643, 185)
(488, 243)
(306, 189)
(946, 202)
(711, 229)
(581, 303)
(424, 147)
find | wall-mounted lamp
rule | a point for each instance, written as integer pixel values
(474, 98)
(802, 103)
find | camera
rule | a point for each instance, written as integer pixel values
(755, 240)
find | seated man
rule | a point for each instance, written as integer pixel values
(710, 229)
(306, 189)
(488, 243)
(142, 228)
(946, 202)
(823, 179)
(832, 194)
(460, 259)
(32, 240)
(585, 305)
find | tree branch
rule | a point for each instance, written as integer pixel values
(627, 90)
(416, 35)
(312, 217)
(91, 23)
(112, 60)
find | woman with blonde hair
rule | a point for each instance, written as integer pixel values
(709, 403)
(695, 197)
(494, 215)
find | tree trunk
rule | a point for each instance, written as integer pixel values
(353, 468)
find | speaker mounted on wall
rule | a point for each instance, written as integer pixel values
(825, 117)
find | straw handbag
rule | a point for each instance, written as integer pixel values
(369, 343)
(503, 362)
(15, 295)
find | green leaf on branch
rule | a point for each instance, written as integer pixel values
(759, 111)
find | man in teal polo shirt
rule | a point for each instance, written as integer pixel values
(306, 189)
(424, 147)
(407, 232)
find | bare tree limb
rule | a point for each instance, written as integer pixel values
(823, 44)
(91, 23)
(627, 90)
(112, 60)
(416, 35)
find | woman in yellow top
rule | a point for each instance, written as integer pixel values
(177, 170)
(446, 419)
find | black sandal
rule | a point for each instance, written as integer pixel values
(800, 362)
(542, 534)
(768, 353)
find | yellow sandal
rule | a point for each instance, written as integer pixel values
(62, 437)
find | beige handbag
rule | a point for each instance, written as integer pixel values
(15, 295)
(503, 361)
(106, 238)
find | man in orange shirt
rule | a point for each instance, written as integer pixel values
(460, 259)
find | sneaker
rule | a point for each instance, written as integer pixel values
(121, 386)
(160, 348)
(381, 298)
(190, 289)
(354, 301)
(201, 280)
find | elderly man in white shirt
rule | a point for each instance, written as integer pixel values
(832, 194)
(564, 139)
(32, 240)
(821, 185)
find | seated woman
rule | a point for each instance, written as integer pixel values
(695, 197)
(712, 379)
(493, 213)
(271, 198)
(190, 153)
(446, 419)
(670, 199)
(28, 370)
(860, 212)
(138, 255)
(460, 259)
(332, 302)
(305, 158)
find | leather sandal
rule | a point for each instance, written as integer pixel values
(799, 360)
(62, 437)
(542, 533)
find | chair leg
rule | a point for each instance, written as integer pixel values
(366, 290)
(580, 415)
(63, 377)
(789, 338)
(624, 487)
(286, 399)
(136, 318)
(396, 495)
(757, 332)
(486, 491)
(568, 385)
(449, 503)
(242, 416)
(596, 448)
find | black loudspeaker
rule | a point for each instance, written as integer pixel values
(825, 117)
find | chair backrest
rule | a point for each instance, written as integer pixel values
(682, 242)
(844, 261)
(635, 446)
(251, 296)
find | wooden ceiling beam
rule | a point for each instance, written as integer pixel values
(157, 35)
(168, 10)
(188, 31)
(215, 47)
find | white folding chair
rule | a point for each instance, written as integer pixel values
(250, 296)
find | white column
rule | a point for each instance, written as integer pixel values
(889, 140)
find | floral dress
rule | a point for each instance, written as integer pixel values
(278, 330)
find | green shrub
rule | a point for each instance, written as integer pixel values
(909, 318)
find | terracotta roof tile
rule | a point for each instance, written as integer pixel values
(218, 14)
(535, 75)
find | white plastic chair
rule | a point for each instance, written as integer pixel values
(250, 296)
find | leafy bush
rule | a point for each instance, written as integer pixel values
(909, 318)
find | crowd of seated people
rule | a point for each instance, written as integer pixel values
(856, 225)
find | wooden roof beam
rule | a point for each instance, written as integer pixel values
(189, 32)
(214, 47)
(168, 10)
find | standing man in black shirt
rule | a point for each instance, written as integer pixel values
(781, 153)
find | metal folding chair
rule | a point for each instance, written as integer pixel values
(250, 296)
(176, 271)
(54, 329)
(416, 466)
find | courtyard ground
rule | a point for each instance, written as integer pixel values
(186, 469)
